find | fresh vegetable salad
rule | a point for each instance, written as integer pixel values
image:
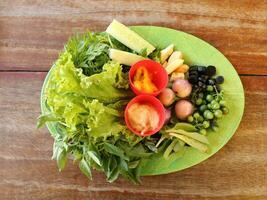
(115, 100)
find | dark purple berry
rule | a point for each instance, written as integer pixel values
(202, 79)
(219, 79)
(192, 79)
(193, 73)
(193, 68)
(201, 69)
(211, 70)
(205, 77)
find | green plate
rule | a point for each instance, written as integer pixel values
(195, 51)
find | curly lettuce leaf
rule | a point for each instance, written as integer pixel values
(103, 121)
(91, 102)
(109, 86)
(65, 77)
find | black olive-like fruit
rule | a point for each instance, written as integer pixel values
(201, 69)
(192, 79)
(193, 68)
(211, 70)
(219, 79)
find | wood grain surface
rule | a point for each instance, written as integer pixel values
(37, 29)
(32, 33)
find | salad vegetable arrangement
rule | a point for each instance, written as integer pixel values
(115, 99)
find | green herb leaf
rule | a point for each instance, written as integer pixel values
(113, 175)
(89, 52)
(112, 164)
(133, 164)
(61, 159)
(115, 150)
(143, 52)
(55, 150)
(138, 151)
(155, 55)
(77, 154)
(123, 165)
(106, 164)
(116, 44)
(45, 118)
(137, 172)
(151, 146)
(95, 157)
(85, 168)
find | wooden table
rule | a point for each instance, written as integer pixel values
(32, 33)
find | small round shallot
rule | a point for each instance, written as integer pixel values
(166, 97)
(182, 88)
(183, 109)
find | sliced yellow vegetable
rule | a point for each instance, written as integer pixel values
(165, 53)
(176, 76)
(199, 146)
(175, 55)
(124, 57)
(174, 65)
(165, 64)
(182, 69)
(193, 135)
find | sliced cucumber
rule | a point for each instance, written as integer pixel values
(124, 57)
(128, 37)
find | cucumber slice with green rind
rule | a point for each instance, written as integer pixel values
(124, 57)
(129, 38)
